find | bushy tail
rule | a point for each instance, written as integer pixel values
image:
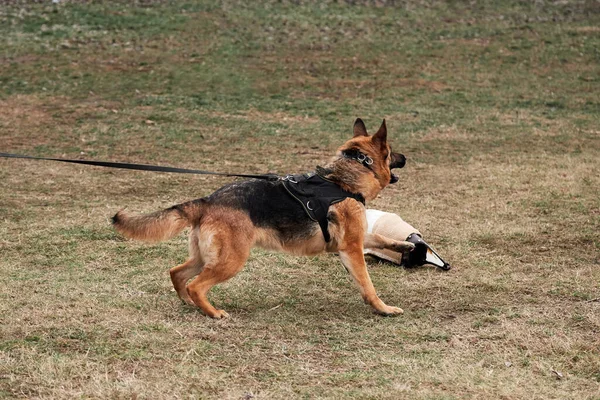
(157, 226)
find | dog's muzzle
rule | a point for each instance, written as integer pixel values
(398, 161)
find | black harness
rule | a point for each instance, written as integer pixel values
(316, 194)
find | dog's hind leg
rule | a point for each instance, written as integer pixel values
(211, 275)
(224, 245)
(183, 273)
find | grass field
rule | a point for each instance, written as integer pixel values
(495, 104)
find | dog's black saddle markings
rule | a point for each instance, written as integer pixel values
(316, 194)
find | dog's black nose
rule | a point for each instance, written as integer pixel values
(398, 161)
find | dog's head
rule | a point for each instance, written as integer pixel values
(374, 153)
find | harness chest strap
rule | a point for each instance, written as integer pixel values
(316, 194)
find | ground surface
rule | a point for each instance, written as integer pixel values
(495, 104)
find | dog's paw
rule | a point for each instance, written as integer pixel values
(403, 246)
(220, 314)
(187, 301)
(389, 311)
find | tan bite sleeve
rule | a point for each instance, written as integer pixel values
(391, 226)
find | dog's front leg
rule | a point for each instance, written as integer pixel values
(354, 261)
(376, 241)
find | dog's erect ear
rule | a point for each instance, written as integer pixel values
(359, 128)
(381, 135)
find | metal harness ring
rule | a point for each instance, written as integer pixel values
(290, 178)
(363, 158)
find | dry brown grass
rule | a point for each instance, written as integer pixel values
(502, 179)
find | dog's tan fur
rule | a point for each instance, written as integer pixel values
(221, 237)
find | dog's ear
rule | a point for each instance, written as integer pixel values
(359, 128)
(381, 136)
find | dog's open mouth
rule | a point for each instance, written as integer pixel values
(398, 161)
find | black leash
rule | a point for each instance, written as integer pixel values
(143, 167)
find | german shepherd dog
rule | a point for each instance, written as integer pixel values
(228, 223)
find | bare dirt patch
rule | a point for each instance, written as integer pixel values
(272, 117)
(28, 121)
(586, 29)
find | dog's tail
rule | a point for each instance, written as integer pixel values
(159, 225)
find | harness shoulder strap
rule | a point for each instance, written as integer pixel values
(316, 194)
